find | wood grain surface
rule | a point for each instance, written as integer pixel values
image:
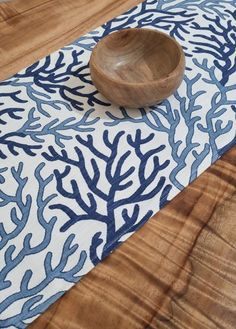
(179, 270)
(31, 29)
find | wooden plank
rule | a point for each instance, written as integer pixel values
(38, 30)
(24, 6)
(177, 272)
(7, 11)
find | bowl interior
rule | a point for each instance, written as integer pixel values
(137, 55)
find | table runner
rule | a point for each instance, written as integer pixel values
(79, 175)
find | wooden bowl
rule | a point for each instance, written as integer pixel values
(137, 67)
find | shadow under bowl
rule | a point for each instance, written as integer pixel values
(137, 67)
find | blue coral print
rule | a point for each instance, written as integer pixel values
(79, 175)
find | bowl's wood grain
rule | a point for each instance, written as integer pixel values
(137, 67)
(179, 270)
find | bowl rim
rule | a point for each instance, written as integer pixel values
(169, 76)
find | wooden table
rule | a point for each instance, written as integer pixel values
(179, 270)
